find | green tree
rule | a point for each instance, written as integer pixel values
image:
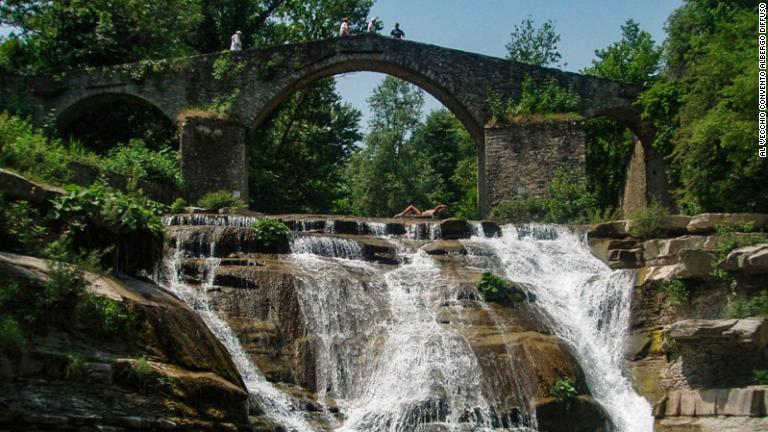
(297, 157)
(634, 59)
(707, 105)
(59, 35)
(444, 144)
(385, 175)
(534, 45)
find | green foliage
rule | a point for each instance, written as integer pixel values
(735, 227)
(75, 366)
(634, 59)
(730, 240)
(137, 161)
(564, 388)
(607, 214)
(756, 306)
(531, 209)
(536, 98)
(609, 148)
(30, 152)
(59, 35)
(37, 304)
(103, 207)
(646, 222)
(12, 338)
(676, 291)
(106, 317)
(319, 131)
(21, 228)
(270, 231)
(178, 205)
(499, 290)
(220, 199)
(710, 94)
(568, 201)
(760, 376)
(532, 45)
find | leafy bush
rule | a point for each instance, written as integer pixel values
(564, 388)
(75, 366)
(178, 205)
(646, 222)
(735, 227)
(11, 337)
(499, 290)
(546, 97)
(139, 162)
(676, 291)
(37, 304)
(220, 199)
(31, 152)
(21, 228)
(608, 214)
(568, 201)
(98, 218)
(745, 308)
(532, 209)
(760, 376)
(270, 231)
(569, 198)
(107, 317)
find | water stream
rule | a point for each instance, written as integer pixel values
(384, 359)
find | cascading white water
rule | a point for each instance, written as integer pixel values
(588, 305)
(274, 403)
(384, 359)
(383, 356)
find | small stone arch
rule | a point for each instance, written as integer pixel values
(71, 110)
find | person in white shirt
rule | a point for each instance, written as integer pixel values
(344, 30)
(237, 44)
(372, 25)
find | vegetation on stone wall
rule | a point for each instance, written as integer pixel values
(537, 101)
(564, 388)
(756, 306)
(568, 200)
(220, 199)
(645, 223)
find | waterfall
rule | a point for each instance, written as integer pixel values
(386, 361)
(274, 403)
(588, 305)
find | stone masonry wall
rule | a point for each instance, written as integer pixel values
(521, 159)
(213, 157)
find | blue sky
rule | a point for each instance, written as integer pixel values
(484, 26)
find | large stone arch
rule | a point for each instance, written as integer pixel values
(73, 109)
(263, 78)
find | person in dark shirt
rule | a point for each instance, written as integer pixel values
(397, 33)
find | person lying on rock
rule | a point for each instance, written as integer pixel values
(412, 211)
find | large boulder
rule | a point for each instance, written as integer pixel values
(720, 353)
(691, 264)
(665, 251)
(750, 259)
(616, 229)
(708, 222)
(736, 402)
(455, 229)
(187, 378)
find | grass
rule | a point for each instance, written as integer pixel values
(564, 388)
(220, 199)
(676, 291)
(756, 306)
(646, 222)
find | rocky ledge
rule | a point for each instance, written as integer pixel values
(700, 369)
(168, 373)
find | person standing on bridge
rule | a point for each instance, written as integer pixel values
(237, 44)
(344, 30)
(397, 33)
(372, 25)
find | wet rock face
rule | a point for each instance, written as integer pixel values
(294, 314)
(696, 367)
(187, 378)
(581, 414)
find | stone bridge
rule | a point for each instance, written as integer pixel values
(251, 84)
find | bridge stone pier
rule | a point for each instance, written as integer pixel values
(253, 83)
